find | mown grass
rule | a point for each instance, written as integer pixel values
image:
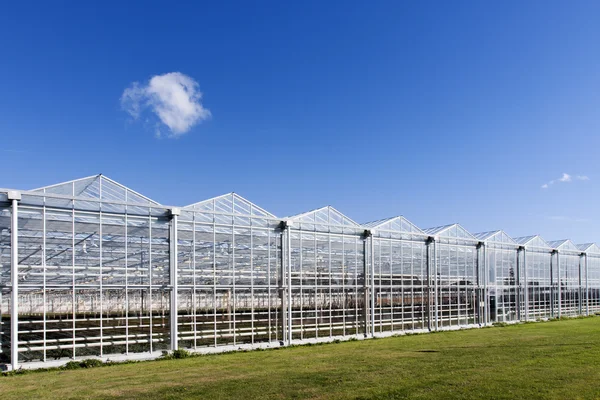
(551, 360)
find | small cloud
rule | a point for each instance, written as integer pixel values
(567, 219)
(174, 98)
(565, 178)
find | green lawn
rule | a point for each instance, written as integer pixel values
(557, 360)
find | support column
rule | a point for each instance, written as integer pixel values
(285, 282)
(559, 284)
(432, 274)
(580, 288)
(289, 283)
(587, 290)
(371, 284)
(174, 312)
(552, 283)
(368, 289)
(525, 285)
(281, 283)
(486, 295)
(428, 267)
(373, 287)
(518, 285)
(481, 273)
(14, 197)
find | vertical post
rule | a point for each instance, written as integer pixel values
(366, 287)
(372, 292)
(526, 285)
(559, 284)
(517, 287)
(428, 273)
(281, 283)
(436, 290)
(289, 282)
(480, 282)
(587, 291)
(552, 295)
(14, 197)
(486, 300)
(580, 288)
(175, 212)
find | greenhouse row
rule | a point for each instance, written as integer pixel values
(90, 268)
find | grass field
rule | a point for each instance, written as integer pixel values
(556, 360)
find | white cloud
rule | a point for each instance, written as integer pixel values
(565, 178)
(567, 219)
(173, 97)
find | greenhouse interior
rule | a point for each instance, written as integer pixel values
(92, 269)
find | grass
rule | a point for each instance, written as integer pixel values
(551, 360)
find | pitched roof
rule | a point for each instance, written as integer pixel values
(97, 187)
(230, 203)
(450, 231)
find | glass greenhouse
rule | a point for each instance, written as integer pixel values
(90, 268)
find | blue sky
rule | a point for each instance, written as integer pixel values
(440, 111)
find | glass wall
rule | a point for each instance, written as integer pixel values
(400, 276)
(229, 265)
(570, 283)
(537, 278)
(456, 280)
(326, 275)
(593, 282)
(91, 282)
(501, 277)
(5, 231)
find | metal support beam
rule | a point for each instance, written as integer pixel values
(486, 299)
(367, 308)
(14, 197)
(289, 284)
(285, 282)
(481, 274)
(369, 283)
(525, 285)
(552, 283)
(580, 288)
(281, 283)
(372, 291)
(432, 274)
(587, 291)
(428, 267)
(519, 291)
(559, 284)
(175, 212)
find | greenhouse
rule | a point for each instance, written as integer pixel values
(92, 269)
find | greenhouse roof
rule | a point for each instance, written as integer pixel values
(564, 244)
(325, 215)
(533, 240)
(498, 236)
(230, 203)
(97, 187)
(399, 224)
(450, 231)
(589, 248)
